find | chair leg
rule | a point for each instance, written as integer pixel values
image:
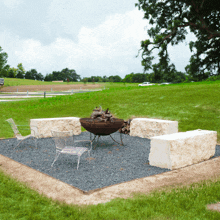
(56, 157)
(18, 143)
(24, 139)
(78, 162)
(90, 149)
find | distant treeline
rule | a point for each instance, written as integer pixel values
(70, 75)
(159, 74)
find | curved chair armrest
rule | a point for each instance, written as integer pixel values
(34, 132)
(30, 129)
(36, 136)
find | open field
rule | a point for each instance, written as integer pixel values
(27, 82)
(48, 87)
(193, 105)
(17, 87)
(11, 85)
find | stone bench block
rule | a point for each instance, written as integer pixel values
(181, 149)
(43, 126)
(148, 127)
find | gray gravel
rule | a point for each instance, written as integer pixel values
(110, 163)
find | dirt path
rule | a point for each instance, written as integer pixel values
(33, 88)
(60, 191)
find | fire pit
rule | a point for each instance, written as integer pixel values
(101, 127)
(102, 123)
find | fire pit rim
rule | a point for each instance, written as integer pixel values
(102, 130)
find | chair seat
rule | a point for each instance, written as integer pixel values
(60, 138)
(74, 150)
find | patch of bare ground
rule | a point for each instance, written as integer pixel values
(35, 88)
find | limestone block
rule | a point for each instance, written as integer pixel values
(181, 149)
(43, 126)
(148, 127)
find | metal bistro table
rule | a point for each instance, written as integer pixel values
(102, 128)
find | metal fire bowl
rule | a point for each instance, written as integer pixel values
(101, 127)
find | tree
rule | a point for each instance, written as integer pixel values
(70, 74)
(138, 77)
(179, 77)
(4, 71)
(95, 78)
(31, 74)
(21, 71)
(163, 73)
(115, 78)
(149, 77)
(128, 78)
(57, 75)
(85, 80)
(3, 63)
(99, 79)
(12, 72)
(171, 18)
(193, 71)
(49, 77)
(89, 79)
(105, 79)
(40, 77)
(64, 75)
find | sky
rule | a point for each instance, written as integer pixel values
(93, 37)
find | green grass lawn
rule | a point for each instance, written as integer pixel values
(189, 202)
(193, 105)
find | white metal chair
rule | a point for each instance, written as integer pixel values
(18, 135)
(60, 138)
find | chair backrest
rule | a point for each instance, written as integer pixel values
(60, 138)
(14, 127)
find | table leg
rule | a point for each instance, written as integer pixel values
(94, 139)
(121, 139)
(97, 141)
(116, 141)
(110, 136)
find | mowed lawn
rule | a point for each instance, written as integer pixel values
(193, 105)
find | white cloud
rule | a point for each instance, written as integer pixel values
(111, 46)
(107, 49)
(12, 3)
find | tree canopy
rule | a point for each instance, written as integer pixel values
(170, 18)
(63, 75)
(33, 74)
(20, 71)
(3, 63)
